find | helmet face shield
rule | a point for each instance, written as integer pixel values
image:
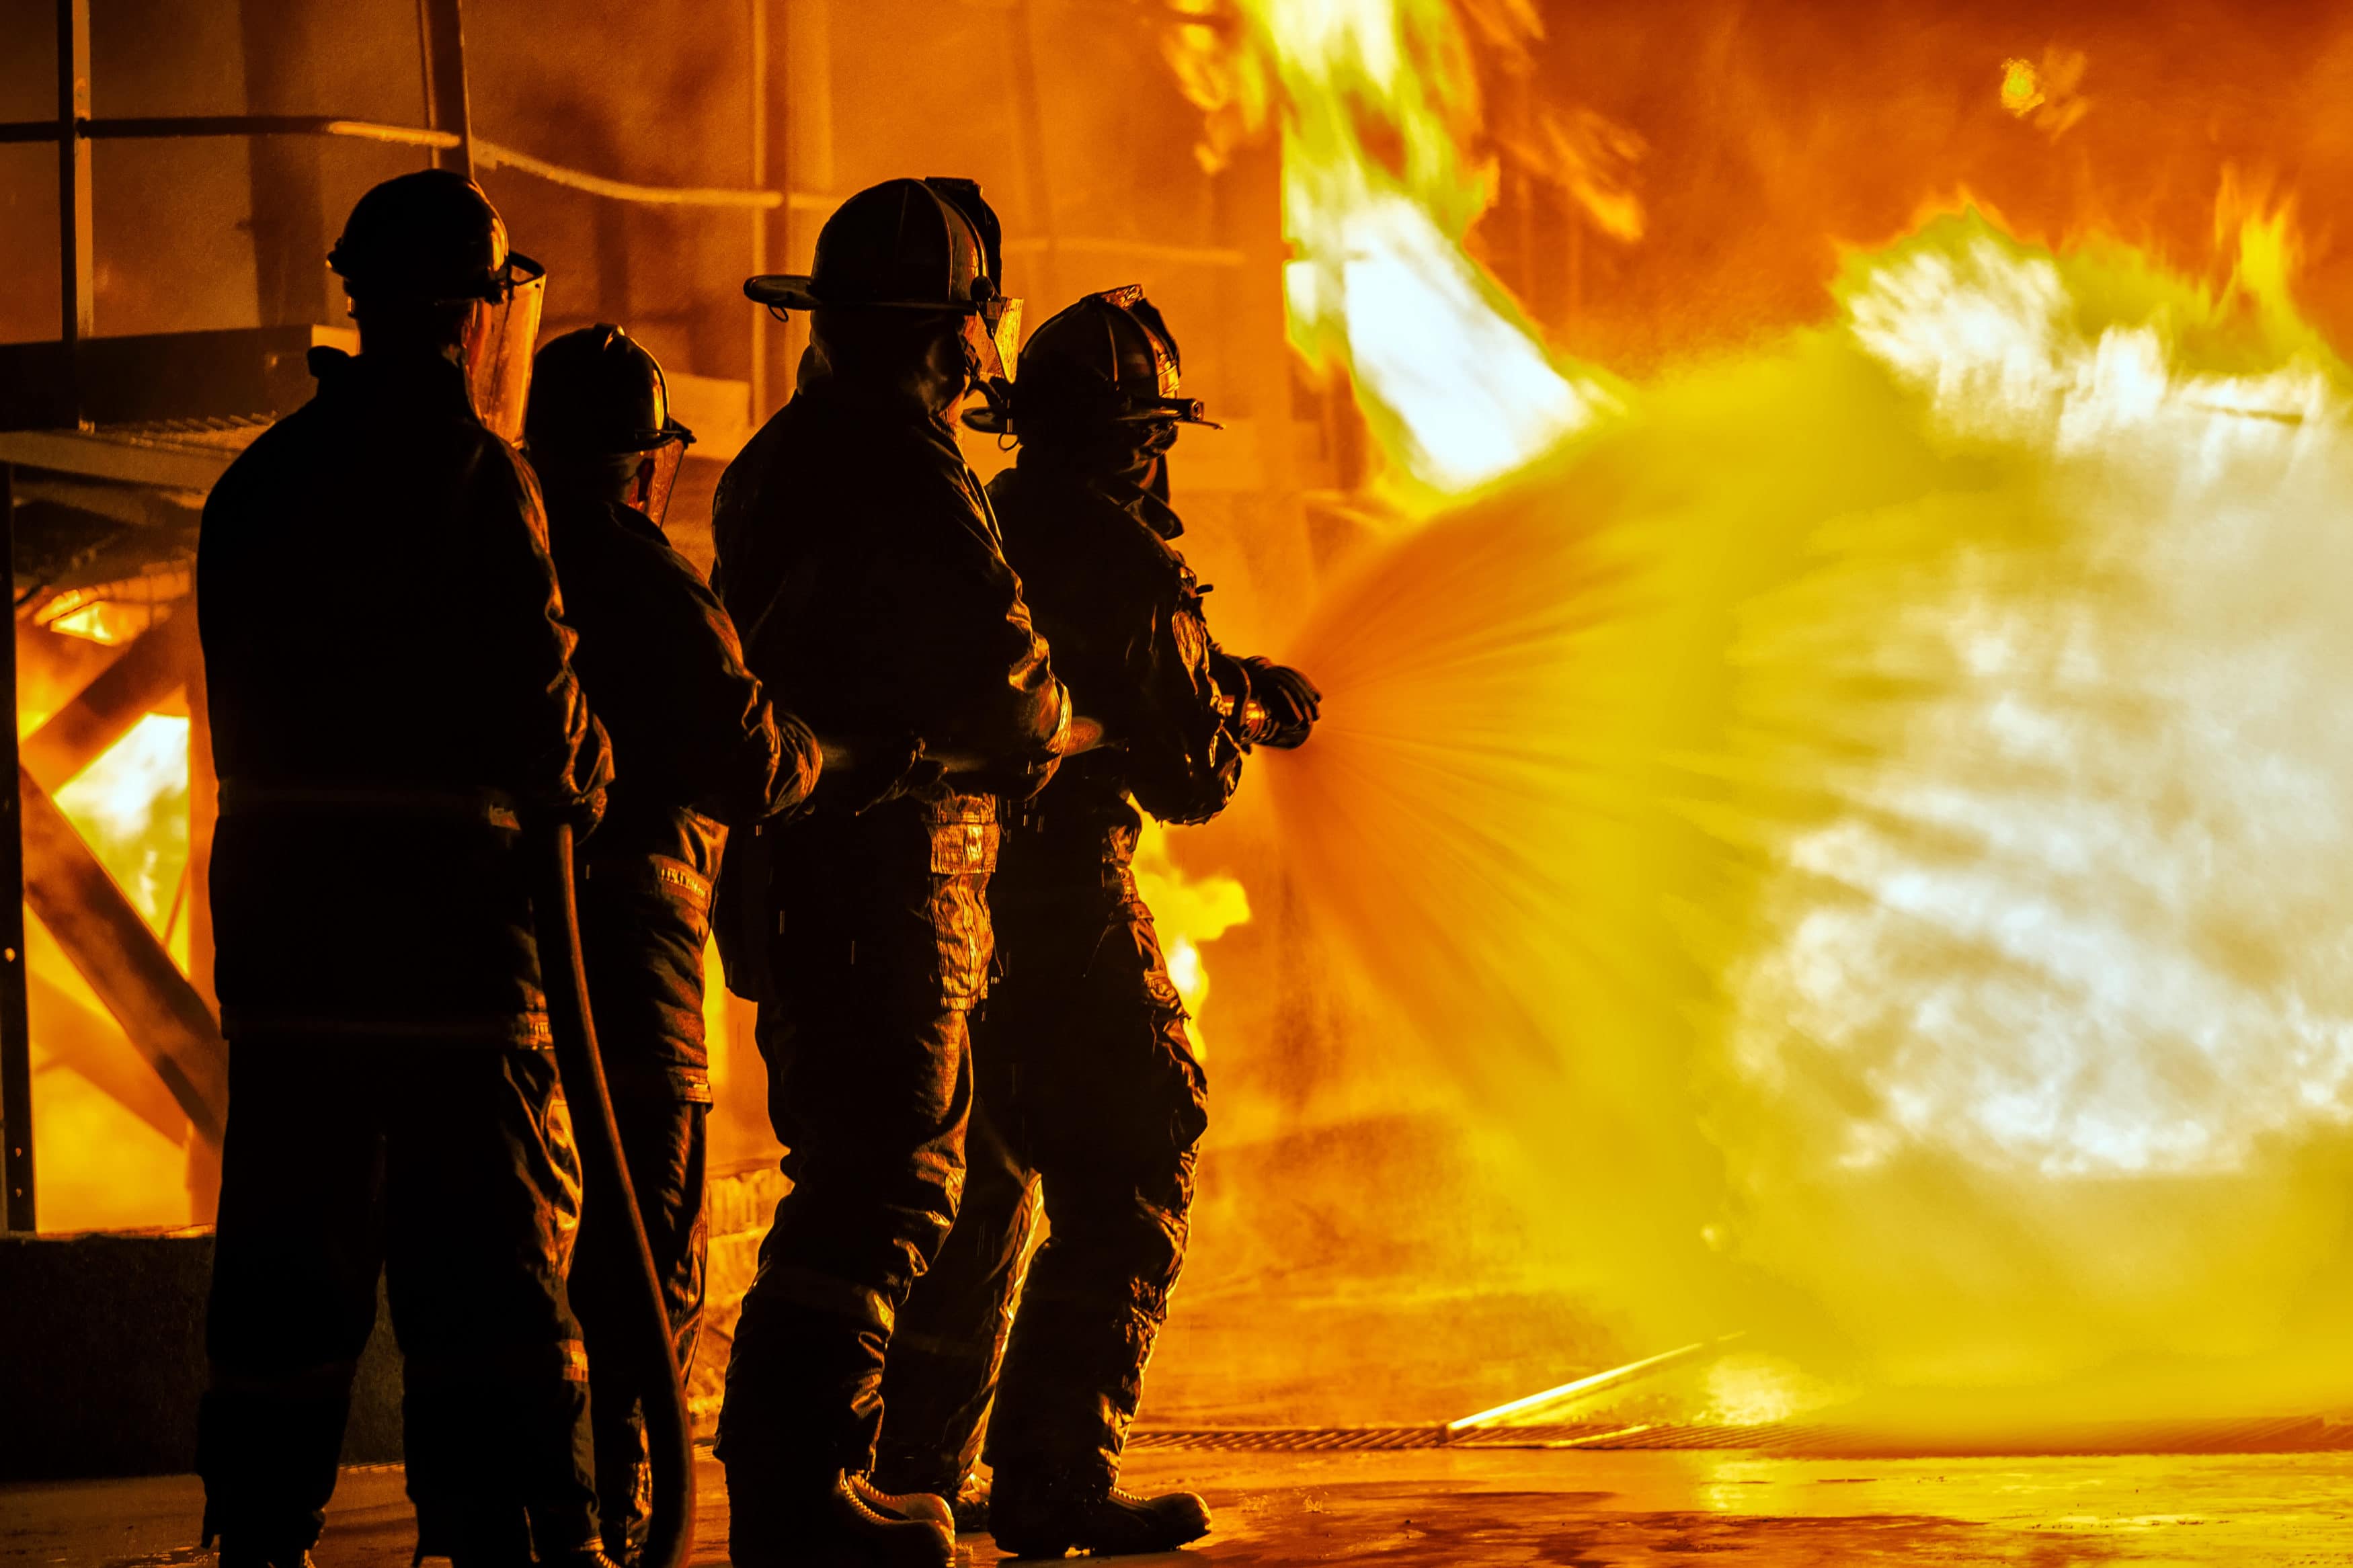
(1001, 319)
(992, 330)
(656, 484)
(498, 346)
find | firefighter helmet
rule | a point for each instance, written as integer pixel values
(1108, 360)
(910, 244)
(597, 392)
(431, 235)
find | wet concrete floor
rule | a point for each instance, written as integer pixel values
(1472, 1509)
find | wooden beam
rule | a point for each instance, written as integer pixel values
(110, 944)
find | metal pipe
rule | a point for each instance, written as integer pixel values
(174, 126)
(756, 114)
(442, 43)
(491, 155)
(77, 286)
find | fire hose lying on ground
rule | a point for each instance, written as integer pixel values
(654, 1370)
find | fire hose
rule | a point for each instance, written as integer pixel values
(611, 1199)
(844, 755)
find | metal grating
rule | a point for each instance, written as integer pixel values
(2293, 1434)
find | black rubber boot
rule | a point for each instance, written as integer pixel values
(972, 1507)
(1095, 1517)
(837, 1528)
(924, 1505)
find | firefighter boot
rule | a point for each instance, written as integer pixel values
(971, 1506)
(920, 1506)
(837, 1528)
(1047, 1520)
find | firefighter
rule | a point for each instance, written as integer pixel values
(392, 700)
(697, 752)
(1087, 1084)
(859, 556)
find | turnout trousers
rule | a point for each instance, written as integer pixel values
(870, 1088)
(449, 1171)
(1090, 1094)
(643, 924)
(663, 1141)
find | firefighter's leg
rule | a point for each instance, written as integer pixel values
(1112, 1108)
(944, 1353)
(662, 1137)
(295, 1261)
(482, 1203)
(871, 1085)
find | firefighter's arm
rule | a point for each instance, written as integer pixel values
(558, 758)
(1266, 703)
(995, 694)
(760, 762)
(1185, 757)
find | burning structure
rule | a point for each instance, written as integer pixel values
(1815, 528)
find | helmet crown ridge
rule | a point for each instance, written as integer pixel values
(599, 390)
(432, 235)
(905, 243)
(1108, 358)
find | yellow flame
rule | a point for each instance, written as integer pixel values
(131, 806)
(1374, 99)
(1878, 811)
(101, 1164)
(2022, 87)
(1189, 910)
(1857, 826)
(2046, 93)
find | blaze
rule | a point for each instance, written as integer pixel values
(1378, 196)
(104, 1163)
(1855, 821)
(1194, 909)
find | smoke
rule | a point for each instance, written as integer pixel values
(1859, 837)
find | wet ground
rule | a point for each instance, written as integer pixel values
(1468, 1510)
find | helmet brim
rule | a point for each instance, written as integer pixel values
(789, 290)
(797, 291)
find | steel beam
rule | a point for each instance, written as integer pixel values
(110, 944)
(16, 1187)
(77, 242)
(158, 662)
(441, 29)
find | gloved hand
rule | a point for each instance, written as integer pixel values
(1289, 699)
(858, 776)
